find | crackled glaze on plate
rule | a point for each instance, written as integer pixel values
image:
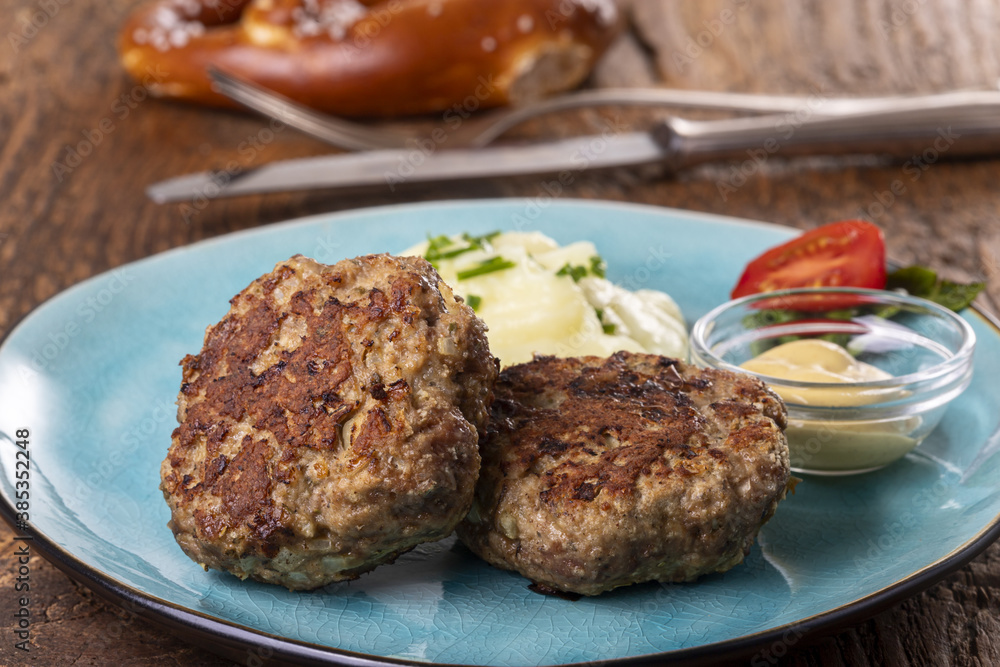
(94, 374)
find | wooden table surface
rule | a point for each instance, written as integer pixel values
(62, 89)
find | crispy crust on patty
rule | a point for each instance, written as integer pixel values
(329, 422)
(598, 473)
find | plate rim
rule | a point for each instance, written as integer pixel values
(336, 216)
(207, 631)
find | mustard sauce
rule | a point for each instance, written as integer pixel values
(829, 445)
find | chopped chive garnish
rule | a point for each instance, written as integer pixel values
(487, 266)
(479, 241)
(597, 266)
(607, 327)
(435, 243)
(434, 246)
(436, 249)
(574, 272)
(474, 301)
(577, 272)
(448, 254)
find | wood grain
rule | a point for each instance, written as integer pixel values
(61, 92)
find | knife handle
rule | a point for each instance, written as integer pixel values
(952, 127)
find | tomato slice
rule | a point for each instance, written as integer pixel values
(841, 254)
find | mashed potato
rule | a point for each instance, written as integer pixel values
(538, 297)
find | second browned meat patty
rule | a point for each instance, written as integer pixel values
(598, 473)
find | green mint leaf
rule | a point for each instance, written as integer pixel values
(917, 280)
(957, 296)
(923, 282)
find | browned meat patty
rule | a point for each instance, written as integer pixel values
(599, 473)
(329, 422)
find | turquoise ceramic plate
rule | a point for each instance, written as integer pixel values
(93, 374)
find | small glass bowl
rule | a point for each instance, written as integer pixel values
(925, 347)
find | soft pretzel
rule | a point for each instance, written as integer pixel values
(370, 57)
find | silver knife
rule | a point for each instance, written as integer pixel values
(921, 136)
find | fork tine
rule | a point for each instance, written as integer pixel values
(332, 130)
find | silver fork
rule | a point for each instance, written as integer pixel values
(481, 130)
